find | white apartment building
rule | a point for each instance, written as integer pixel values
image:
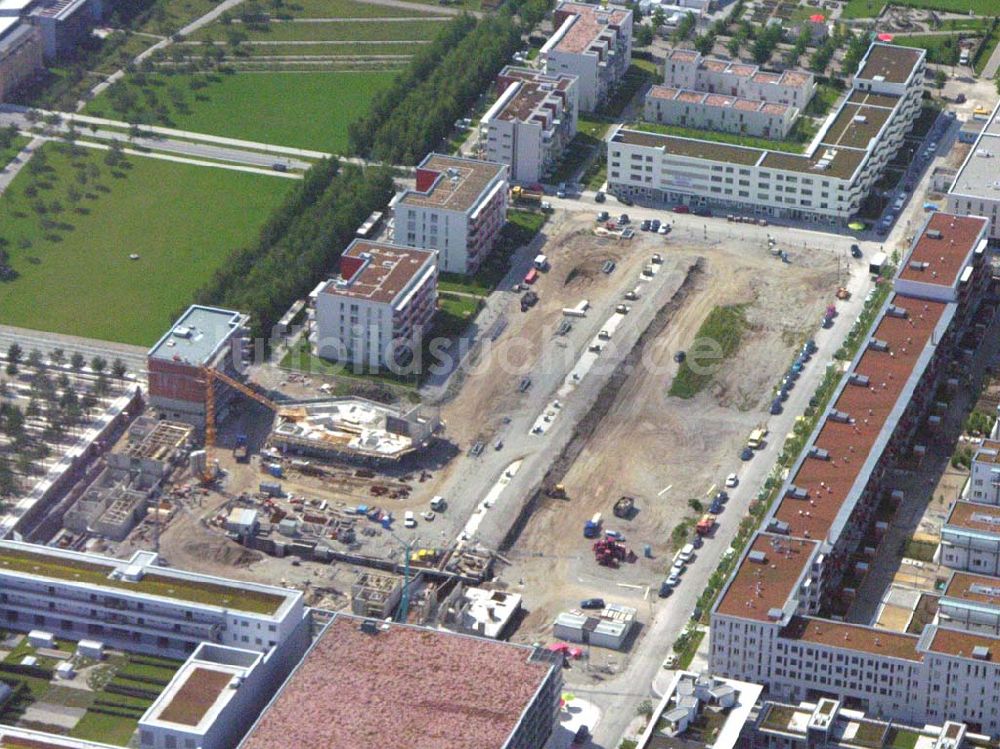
(984, 478)
(765, 624)
(137, 605)
(458, 208)
(730, 114)
(827, 183)
(976, 189)
(592, 43)
(531, 123)
(688, 69)
(970, 538)
(377, 312)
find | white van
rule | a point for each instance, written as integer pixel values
(686, 553)
(409, 520)
(437, 504)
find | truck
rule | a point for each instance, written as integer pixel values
(592, 527)
(876, 263)
(705, 524)
(624, 506)
(541, 262)
(241, 453)
(756, 439)
(580, 310)
(271, 488)
(522, 195)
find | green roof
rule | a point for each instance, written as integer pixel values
(152, 583)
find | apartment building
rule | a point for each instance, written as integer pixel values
(826, 183)
(976, 189)
(203, 337)
(20, 54)
(369, 683)
(531, 123)
(64, 24)
(970, 538)
(767, 625)
(137, 605)
(984, 478)
(377, 312)
(699, 110)
(592, 43)
(458, 208)
(688, 69)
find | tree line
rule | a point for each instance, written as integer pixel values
(300, 243)
(404, 128)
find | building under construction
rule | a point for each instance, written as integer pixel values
(353, 428)
(376, 594)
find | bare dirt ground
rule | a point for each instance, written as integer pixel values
(648, 441)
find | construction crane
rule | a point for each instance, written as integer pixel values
(209, 376)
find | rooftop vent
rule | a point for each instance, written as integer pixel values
(757, 557)
(934, 233)
(981, 652)
(779, 526)
(860, 118)
(819, 453)
(775, 614)
(983, 153)
(918, 266)
(878, 78)
(859, 379)
(369, 627)
(893, 311)
(796, 492)
(183, 331)
(877, 344)
(840, 416)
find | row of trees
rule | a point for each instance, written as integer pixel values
(299, 245)
(426, 113)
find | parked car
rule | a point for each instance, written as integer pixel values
(592, 603)
(746, 453)
(409, 521)
(609, 266)
(664, 230)
(672, 580)
(680, 356)
(603, 216)
(581, 736)
(715, 507)
(654, 225)
(856, 251)
(681, 209)
(670, 661)
(665, 590)
(722, 495)
(644, 226)
(776, 407)
(600, 197)
(732, 480)
(702, 211)
(698, 541)
(623, 219)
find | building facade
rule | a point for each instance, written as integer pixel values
(531, 123)
(64, 24)
(730, 114)
(774, 622)
(20, 55)
(826, 183)
(592, 43)
(458, 208)
(203, 337)
(378, 311)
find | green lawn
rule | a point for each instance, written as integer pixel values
(986, 51)
(348, 9)
(307, 110)
(76, 276)
(352, 32)
(107, 729)
(170, 15)
(871, 8)
(718, 338)
(350, 49)
(942, 49)
(8, 154)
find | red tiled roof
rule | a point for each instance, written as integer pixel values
(946, 255)
(758, 587)
(401, 688)
(853, 637)
(828, 482)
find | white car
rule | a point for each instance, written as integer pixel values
(409, 520)
(673, 580)
(428, 515)
(732, 480)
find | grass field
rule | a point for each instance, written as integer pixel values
(346, 49)
(75, 274)
(170, 15)
(307, 110)
(349, 9)
(871, 8)
(8, 154)
(387, 30)
(718, 338)
(942, 49)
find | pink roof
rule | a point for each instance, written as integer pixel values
(817, 18)
(885, 37)
(663, 92)
(692, 97)
(401, 687)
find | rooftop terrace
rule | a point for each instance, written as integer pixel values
(93, 570)
(590, 22)
(453, 183)
(533, 89)
(401, 686)
(890, 63)
(377, 271)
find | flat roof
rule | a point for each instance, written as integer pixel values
(828, 483)
(718, 101)
(871, 99)
(536, 89)
(943, 249)
(975, 517)
(855, 125)
(94, 570)
(978, 176)
(197, 335)
(590, 23)
(14, 7)
(961, 643)
(853, 637)
(195, 694)
(757, 587)
(988, 452)
(891, 63)
(698, 149)
(382, 272)
(459, 185)
(401, 686)
(967, 586)
(12, 737)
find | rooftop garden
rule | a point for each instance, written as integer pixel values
(779, 717)
(152, 583)
(869, 735)
(901, 738)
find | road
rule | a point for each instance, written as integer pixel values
(133, 356)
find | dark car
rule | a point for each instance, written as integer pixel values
(599, 197)
(624, 219)
(722, 495)
(680, 356)
(609, 266)
(811, 346)
(654, 225)
(746, 454)
(681, 209)
(644, 226)
(783, 395)
(626, 201)
(592, 603)
(856, 251)
(665, 589)
(716, 507)
(581, 735)
(697, 541)
(776, 407)
(702, 211)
